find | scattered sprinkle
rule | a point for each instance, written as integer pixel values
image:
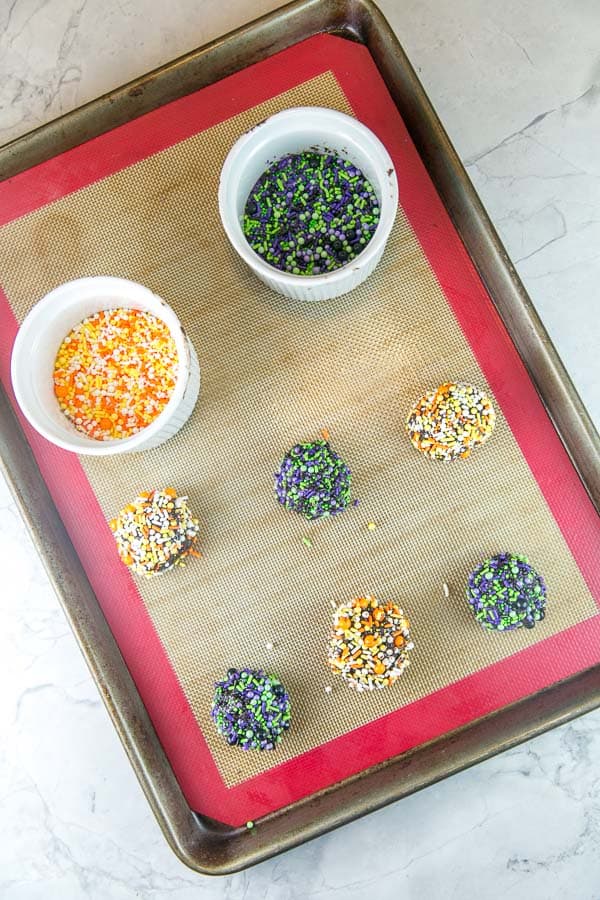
(269, 646)
(505, 592)
(155, 532)
(307, 542)
(328, 688)
(371, 526)
(446, 590)
(114, 373)
(449, 422)
(313, 480)
(370, 643)
(310, 213)
(251, 709)
(325, 434)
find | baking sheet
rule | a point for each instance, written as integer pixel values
(353, 366)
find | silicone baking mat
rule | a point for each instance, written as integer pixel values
(140, 202)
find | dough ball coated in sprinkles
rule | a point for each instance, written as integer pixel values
(155, 532)
(449, 422)
(313, 480)
(505, 592)
(370, 643)
(251, 709)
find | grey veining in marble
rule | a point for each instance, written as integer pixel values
(518, 88)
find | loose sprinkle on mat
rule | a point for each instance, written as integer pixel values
(449, 422)
(446, 590)
(370, 643)
(114, 372)
(505, 592)
(310, 213)
(155, 532)
(251, 709)
(371, 526)
(307, 542)
(313, 480)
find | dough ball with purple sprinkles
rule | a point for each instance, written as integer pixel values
(313, 481)
(251, 709)
(505, 592)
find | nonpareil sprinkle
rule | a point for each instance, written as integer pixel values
(114, 372)
(310, 213)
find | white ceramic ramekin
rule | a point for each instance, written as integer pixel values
(293, 131)
(38, 341)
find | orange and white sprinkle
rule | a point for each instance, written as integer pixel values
(114, 372)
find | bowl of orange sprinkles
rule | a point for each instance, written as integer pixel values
(102, 366)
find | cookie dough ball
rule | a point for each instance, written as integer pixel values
(155, 532)
(505, 592)
(251, 709)
(313, 480)
(449, 422)
(370, 643)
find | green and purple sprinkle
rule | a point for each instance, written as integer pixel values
(505, 592)
(313, 480)
(251, 709)
(310, 213)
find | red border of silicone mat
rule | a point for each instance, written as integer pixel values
(474, 696)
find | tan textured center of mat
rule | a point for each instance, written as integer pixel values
(274, 372)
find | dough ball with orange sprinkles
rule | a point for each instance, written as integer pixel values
(370, 643)
(114, 372)
(155, 532)
(449, 422)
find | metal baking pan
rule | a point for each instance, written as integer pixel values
(202, 843)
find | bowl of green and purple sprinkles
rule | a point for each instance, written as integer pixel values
(308, 199)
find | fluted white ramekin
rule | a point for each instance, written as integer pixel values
(294, 131)
(38, 341)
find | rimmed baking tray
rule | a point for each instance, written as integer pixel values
(126, 183)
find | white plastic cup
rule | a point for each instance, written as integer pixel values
(294, 131)
(38, 341)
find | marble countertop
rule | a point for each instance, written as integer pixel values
(518, 88)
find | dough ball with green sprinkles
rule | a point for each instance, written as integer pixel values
(310, 213)
(251, 709)
(449, 422)
(313, 480)
(506, 592)
(155, 532)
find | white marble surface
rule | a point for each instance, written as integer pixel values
(518, 88)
